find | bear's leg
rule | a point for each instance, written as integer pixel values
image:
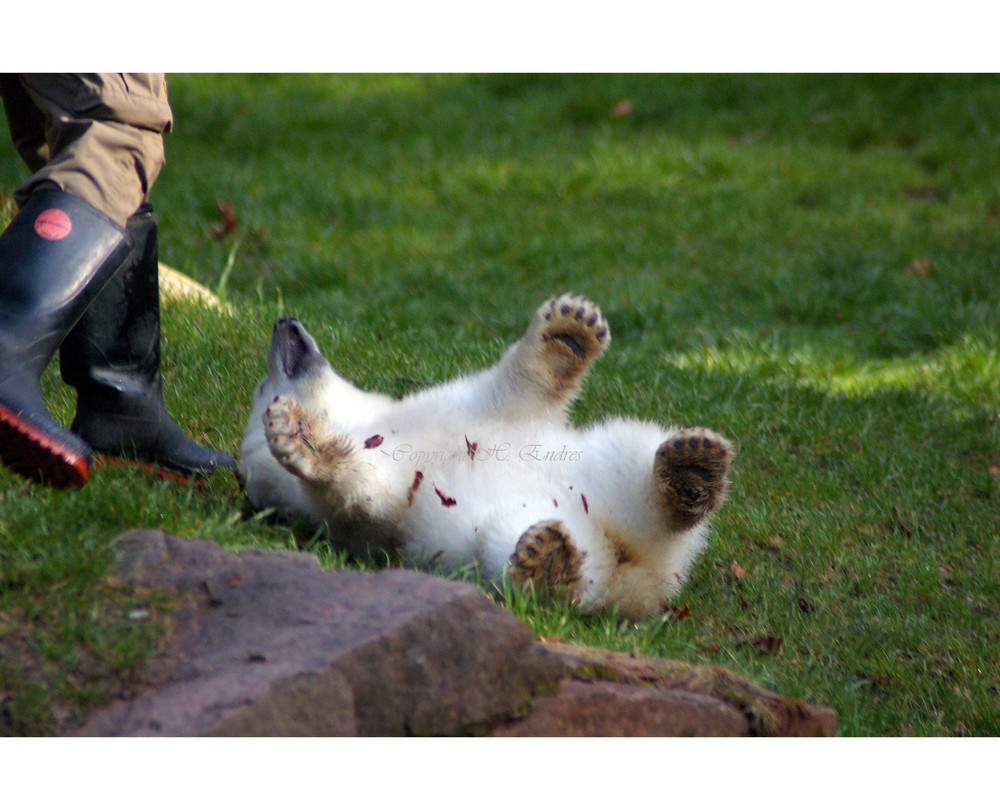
(541, 374)
(546, 556)
(690, 471)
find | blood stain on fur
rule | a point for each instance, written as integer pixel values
(471, 447)
(446, 500)
(373, 441)
(417, 478)
(586, 509)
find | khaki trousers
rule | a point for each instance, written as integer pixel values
(98, 136)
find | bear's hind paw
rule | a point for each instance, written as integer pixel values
(690, 471)
(546, 557)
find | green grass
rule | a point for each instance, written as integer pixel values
(808, 264)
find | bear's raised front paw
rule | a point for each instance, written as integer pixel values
(571, 323)
(546, 556)
(291, 438)
(690, 470)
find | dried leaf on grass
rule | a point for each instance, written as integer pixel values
(622, 109)
(767, 645)
(920, 267)
(227, 224)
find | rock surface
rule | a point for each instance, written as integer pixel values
(705, 700)
(265, 643)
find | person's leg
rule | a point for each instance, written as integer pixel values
(25, 122)
(112, 358)
(104, 135)
(55, 257)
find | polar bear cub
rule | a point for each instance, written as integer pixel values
(485, 469)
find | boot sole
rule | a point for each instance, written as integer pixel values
(31, 453)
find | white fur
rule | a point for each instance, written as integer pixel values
(494, 445)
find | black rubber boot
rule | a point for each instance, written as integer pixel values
(112, 358)
(55, 258)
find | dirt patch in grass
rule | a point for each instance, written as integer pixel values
(50, 681)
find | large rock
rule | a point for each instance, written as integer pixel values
(268, 644)
(607, 709)
(664, 697)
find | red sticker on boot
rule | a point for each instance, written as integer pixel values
(53, 224)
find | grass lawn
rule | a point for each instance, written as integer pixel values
(807, 264)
